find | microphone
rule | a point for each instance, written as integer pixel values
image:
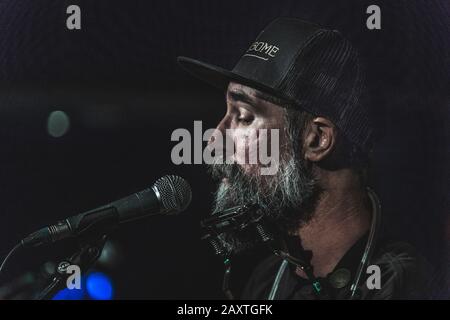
(169, 195)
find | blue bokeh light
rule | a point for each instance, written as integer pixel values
(68, 294)
(99, 286)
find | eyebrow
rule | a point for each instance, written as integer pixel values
(241, 96)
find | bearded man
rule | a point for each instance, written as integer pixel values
(308, 82)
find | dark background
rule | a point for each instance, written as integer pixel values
(118, 81)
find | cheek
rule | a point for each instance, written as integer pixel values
(251, 151)
(245, 146)
(249, 144)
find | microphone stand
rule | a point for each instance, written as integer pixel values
(85, 258)
(91, 243)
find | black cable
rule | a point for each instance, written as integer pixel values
(9, 255)
(226, 280)
(373, 234)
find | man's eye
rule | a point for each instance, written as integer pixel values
(245, 120)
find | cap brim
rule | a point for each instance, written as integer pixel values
(220, 77)
(213, 75)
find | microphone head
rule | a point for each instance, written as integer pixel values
(174, 193)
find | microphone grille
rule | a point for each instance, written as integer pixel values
(175, 193)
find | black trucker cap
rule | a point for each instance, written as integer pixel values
(313, 68)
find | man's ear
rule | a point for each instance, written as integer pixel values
(320, 139)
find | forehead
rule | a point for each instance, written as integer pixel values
(237, 91)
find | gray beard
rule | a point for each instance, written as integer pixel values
(287, 198)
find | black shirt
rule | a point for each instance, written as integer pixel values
(404, 275)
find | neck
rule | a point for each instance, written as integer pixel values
(340, 218)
